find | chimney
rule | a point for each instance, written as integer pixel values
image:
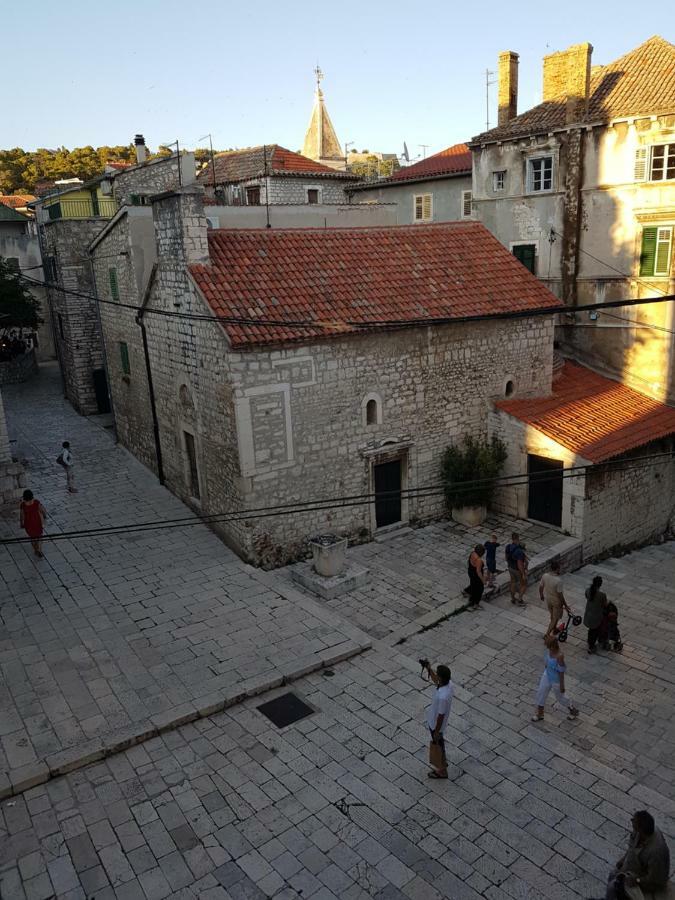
(567, 75)
(141, 149)
(507, 75)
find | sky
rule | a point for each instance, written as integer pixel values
(86, 72)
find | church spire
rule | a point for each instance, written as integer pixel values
(321, 143)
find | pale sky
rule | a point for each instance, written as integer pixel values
(83, 72)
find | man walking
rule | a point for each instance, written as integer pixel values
(437, 719)
(516, 561)
(65, 459)
(551, 592)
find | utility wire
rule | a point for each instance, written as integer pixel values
(310, 506)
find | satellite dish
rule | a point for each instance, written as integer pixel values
(406, 155)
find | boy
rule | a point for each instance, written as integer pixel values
(491, 562)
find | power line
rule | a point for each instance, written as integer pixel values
(347, 501)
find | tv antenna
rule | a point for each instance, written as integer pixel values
(489, 81)
(424, 147)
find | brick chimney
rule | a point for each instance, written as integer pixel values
(507, 77)
(567, 74)
(141, 149)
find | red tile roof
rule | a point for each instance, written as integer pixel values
(343, 279)
(641, 82)
(455, 160)
(254, 162)
(16, 201)
(593, 416)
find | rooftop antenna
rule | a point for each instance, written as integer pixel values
(213, 159)
(267, 188)
(424, 147)
(489, 81)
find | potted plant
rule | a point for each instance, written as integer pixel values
(328, 554)
(469, 471)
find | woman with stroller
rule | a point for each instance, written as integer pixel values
(596, 602)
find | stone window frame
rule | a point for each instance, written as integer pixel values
(319, 194)
(509, 380)
(390, 451)
(375, 398)
(245, 445)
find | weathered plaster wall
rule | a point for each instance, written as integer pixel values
(446, 194)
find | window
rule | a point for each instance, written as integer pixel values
(50, 268)
(371, 412)
(662, 162)
(508, 388)
(114, 287)
(527, 255)
(124, 356)
(466, 204)
(193, 474)
(371, 409)
(12, 263)
(139, 200)
(540, 174)
(499, 180)
(312, 195)
(655, 255)
(253, 196)
(61, 328)
(423, 207)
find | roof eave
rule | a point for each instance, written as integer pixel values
(414, 180)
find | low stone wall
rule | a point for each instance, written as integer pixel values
(18, 369)
(12, 483)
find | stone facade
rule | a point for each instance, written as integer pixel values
(22, 244)
(615, 507)
(288, 190)
(12, 479)
(153, 177)
(287, 424)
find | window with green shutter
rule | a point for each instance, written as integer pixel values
(656, 250)
(124, 355)
(114, 287)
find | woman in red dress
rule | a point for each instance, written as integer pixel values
(32, 520)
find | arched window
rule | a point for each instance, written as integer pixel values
(509, 388)
(371, 409)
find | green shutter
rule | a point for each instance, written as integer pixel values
(124, 354)
(648, 252)
(525, 254)
(114, 287)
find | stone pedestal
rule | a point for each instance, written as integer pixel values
(471, 516)
(328, 554)
(352, 578)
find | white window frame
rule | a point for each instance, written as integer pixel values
(669, 148)
(669, 241)
(529, 175)
(497, 176)
(423, 198)
(312, 187)
(467, 197)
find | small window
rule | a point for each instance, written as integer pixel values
(662, 162)
(371, 409)
(540, 174)
(527, 255)
(61, 328)
(371, 412)
(466, 204)
(499, 180)
(139, 200)
(50, 268)
(124, 357)
(656, 251)
(423, 208)
(253, 196)
(114, 287)
(192, 471)
(508, 388)
(312, 195)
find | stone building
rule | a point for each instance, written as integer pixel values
(68, 222)
(12, 479)
(326, 375)
(19, 245)
(272, 175)
(435, 189)
(581, 188)
(626, 498)
(321, 142)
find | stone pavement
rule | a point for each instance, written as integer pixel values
(417, 575)
(338, 805)
(112, 638)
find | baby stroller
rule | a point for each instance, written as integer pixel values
(563, 627)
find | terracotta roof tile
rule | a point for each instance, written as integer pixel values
(341, 280)
(241, 165)
(641, 82)
(455, 160)
(16, 201)
(594, 416)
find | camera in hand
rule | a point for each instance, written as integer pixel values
(424, 663)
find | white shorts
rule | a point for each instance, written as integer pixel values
(545, 686)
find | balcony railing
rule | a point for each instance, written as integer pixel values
(82, 209)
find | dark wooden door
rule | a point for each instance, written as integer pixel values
(545, 478)
(387, 493)
(101, 391)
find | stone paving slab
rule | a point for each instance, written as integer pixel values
(338, 805)
(109, 640)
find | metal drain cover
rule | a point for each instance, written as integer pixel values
(285, 710)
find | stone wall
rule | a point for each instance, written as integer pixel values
(294, 190)
(12, 478)
(19, 369)
(77, 333)
(153, 177)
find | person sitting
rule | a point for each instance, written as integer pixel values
(642, 872)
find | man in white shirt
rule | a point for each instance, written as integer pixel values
(67, 462)
(438, 713)
(551, 591)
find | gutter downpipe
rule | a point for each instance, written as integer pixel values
(148, 369)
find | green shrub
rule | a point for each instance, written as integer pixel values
(474, 460)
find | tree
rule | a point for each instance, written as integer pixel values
(18, 307)
(469, 471)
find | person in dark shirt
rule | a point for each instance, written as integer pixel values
(491, 562)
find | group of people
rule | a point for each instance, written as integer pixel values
(32, 513)
(12, 345)
(482, 570)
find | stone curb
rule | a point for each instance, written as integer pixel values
(16, 781)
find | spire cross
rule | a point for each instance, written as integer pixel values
(319, 76)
